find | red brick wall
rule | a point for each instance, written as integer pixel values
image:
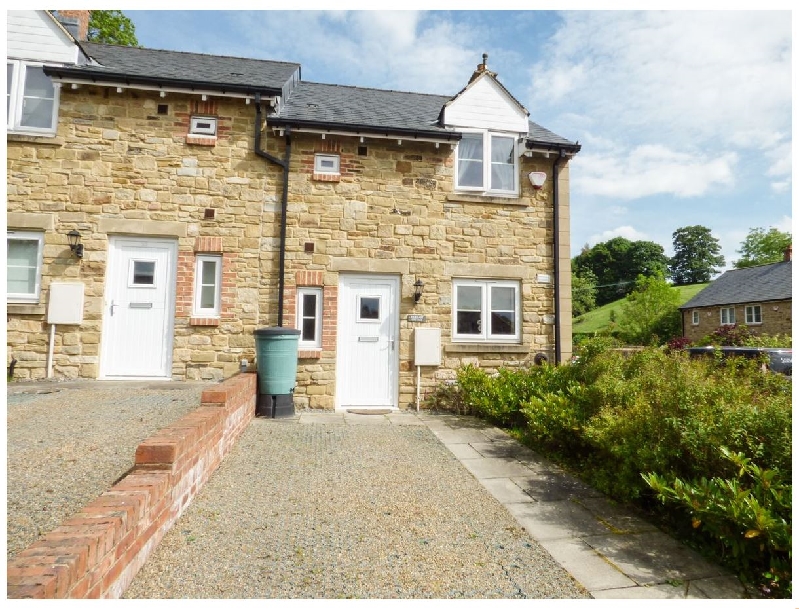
(97, 552)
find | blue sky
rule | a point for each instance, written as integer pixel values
(684, 116)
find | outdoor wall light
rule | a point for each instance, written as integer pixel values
(417, 290)
(74, 243)
(537, 179)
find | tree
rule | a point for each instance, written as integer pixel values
(762, 247)
(583, 291)
(112, 27)
(697, 255)
(650, 315)
(617, 262)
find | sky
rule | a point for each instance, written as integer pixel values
(684, 116)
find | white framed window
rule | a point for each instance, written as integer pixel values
(695, 318)
(203, 125)
(487, 162)
(24, 266)
(207, 286)
(327, 163)
(31, 99)
(754, 314)
(309, 317)
(486, 310)
(727, 316)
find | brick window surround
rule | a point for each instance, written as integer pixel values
(313, 279)
(185, 284)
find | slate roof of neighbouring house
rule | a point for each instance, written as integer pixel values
(177, 68)
(754, 284)
(307, 104)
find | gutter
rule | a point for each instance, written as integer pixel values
(284, 163)
(365, 130)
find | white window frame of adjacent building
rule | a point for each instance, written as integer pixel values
(18, 100)
(309, 340)
(484, 305)
(754, 315)
(329, 164)
(727, 316)
(33, 267)
(478, 171)
(695, 318)
(203, 283)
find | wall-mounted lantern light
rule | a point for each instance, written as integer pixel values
(417, 290)
(74, 243)
(537, 179)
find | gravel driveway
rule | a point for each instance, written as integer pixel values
(69, 442)
(340, 508)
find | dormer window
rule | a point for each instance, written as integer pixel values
(487, 163)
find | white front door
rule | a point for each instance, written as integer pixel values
(367, 360)
(138, 308)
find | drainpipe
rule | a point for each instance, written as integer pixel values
(284, 163)
(556, 227)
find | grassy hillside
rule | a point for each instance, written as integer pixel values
(599, 319)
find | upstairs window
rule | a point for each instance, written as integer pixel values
(327, 164)
(203, 125)
(31, 99)
(487, 163)
(23, 266)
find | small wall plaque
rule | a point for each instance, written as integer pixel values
(543, 278)
(549, 319)
(416, 318)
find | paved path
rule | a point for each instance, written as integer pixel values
(609, 550)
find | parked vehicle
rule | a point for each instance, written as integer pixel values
(779, 360)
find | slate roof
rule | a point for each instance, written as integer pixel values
(755, 284)
(176, 68)
(309, 104)
(395, 112)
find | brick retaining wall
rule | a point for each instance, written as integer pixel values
(97, 552)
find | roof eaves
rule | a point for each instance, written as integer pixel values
(356, 129)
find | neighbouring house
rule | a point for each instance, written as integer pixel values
(758, 297)
(210, 196)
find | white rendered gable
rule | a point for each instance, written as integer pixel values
(35, 36)
(485, 105)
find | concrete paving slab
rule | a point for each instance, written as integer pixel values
(323, 418)
(496, 434)
(463, 451)
(459, 436)
(587, 567)
(661, 591)
(725, 586)
(556, 520)
(404, 419)
(500, 448)
(495, 468)
(653, 558)
(548, 486)
(366, 419)
(506, 491)
(619, 520)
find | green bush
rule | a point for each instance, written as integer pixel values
(748, 514)
(615, 415)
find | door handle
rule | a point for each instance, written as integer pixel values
(392, 344)
(112, 307)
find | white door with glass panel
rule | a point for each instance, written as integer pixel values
(367, 360)
(138, 308)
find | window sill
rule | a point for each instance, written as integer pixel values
(460, 197)
(201, 140)
(327, 177)
(39, 138)
(309, 354)
(204, 321)
(17, 308)
(485, 348)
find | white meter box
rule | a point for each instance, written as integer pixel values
(66, 304)
(427, 346)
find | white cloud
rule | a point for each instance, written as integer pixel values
(628, 232)
(649, 170)
(686, 78)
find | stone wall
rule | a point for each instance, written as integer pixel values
(121, 164)
(776, 317)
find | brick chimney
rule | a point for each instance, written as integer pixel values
(482, 68)
(788, 254)
(76, 22)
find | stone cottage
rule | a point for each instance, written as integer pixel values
(177, 202)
